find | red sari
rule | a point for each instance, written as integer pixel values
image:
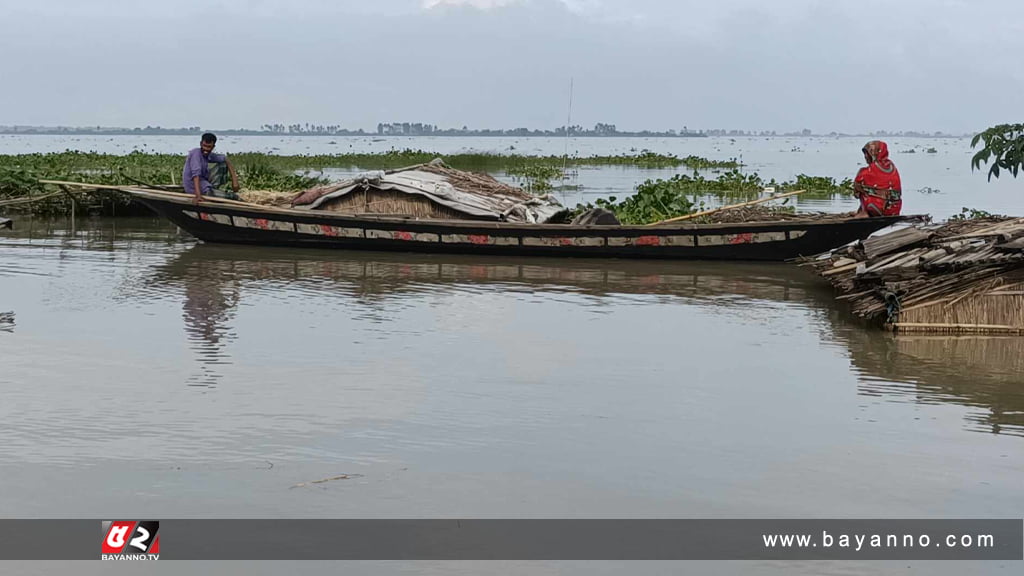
(878, 184)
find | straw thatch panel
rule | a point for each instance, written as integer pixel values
(962, 276)
(990, 312)
(392, 203)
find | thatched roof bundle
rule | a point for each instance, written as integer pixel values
(452, 194)
(961, 276)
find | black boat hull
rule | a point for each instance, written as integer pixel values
(238, 223)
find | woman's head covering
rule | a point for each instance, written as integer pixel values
(878, 152)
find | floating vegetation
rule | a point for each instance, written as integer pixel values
(258, 174)
(135, 167)
(483, 162)
(931, 151)
(683, 194)
(819, 186)
(648, 159)
(654, 200)
(929, 190)
(16, 182)
(536, 178)
(973, 214)
(19, 174)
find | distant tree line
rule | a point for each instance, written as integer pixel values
(420, 129)
(599, 129)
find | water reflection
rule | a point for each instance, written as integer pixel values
(211, 297)
(374, 287)
(211, 282)
(980, 373)
(371, 276)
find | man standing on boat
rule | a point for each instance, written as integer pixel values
(198, 177)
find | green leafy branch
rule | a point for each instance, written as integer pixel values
(1003, 147)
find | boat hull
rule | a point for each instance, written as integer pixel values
(238, 223)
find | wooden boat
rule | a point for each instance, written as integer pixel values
(215, 220)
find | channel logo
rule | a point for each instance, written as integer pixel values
(137, 540)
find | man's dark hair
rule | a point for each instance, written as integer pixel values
(210, 138)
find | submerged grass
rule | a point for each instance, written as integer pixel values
(654, 199)
(166, 168)
(19, 173)
(485, 162)
(19, 176)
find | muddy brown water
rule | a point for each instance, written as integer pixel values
(144, 374)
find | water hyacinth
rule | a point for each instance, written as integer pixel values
(19, 175)
(683, 194)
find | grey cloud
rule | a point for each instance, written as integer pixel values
(849, 66)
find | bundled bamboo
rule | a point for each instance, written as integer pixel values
(766, 214)
(962, 276)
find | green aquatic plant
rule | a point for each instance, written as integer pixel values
(648, 159)
(819, 186)
(974, 214)
(536, 178)
(20, 173)
(166, 168)
(683, 194)
(654, 200)
(258, 174)
(16, 182)
(285, 173)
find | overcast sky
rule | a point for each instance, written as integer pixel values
(844, 65)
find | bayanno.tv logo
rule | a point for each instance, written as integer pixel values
(131, 540)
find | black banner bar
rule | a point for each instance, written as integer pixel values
(786, 539)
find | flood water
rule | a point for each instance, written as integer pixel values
(144, 374)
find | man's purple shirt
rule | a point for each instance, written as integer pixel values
(196, 165)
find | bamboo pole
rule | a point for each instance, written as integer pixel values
(30, 199)
(740, 205)
(841, 269)
(83, 185)
(137, 188)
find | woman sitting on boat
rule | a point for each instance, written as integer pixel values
(878, 184)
